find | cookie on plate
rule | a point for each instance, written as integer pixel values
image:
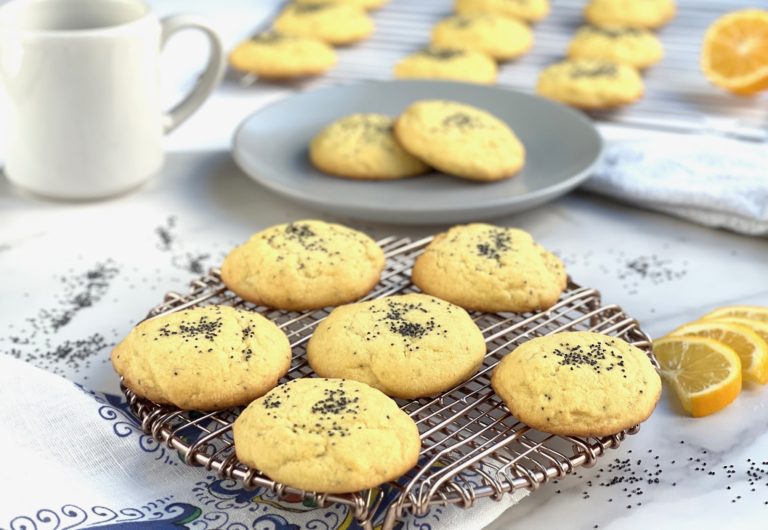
(205, 358)
(632, 46)
(327, 435)
(460, 139)
(407, 346)
(630, 13)
(500, 37)
(273, 55)
(365, 4)
(442, 63)
(528, 10)
(578, 384)
(304, 265)
(362, 146)
(591, 84)
(490, 268)
(334, 23)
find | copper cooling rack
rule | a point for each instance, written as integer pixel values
(471, 446)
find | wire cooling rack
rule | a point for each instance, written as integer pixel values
(677, 96)
(471, 446)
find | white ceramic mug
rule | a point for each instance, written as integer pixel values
(82, 82)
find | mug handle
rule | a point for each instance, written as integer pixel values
(207, 81)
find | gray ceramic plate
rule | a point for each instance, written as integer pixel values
(271, 147)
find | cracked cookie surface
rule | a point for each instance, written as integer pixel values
(490, 268)
(499, 37)
(205, 358)
(578, 384)
(362, 146)
(460, 139)
(327, 435)
(407, 346)
(304, 265)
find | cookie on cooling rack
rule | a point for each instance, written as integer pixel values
(591, 84)
(460, 139)
(274, 55)
(334, 23)
(578, 384)
(365, 4)
(444, 63)
(327, 435)
(362, 146)
(632, 46)
(205, 358)
(630, 13)
(490, 268)
(304, 265)
(528, 10)
(407, 346)
(497, 36)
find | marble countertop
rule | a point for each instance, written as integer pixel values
(75, 277)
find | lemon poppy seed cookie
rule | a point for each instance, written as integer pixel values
(365, 4)
(334, 23)
(273, 55)
(206, 358)
(304, 265)
(407, 346)
(630, 13)
(591, 84)
(490, 268)
(443, 63)
(327, 435)
(528, 10)
(499, 37)
(460, 139)
(578, 384)
(631, 46)
(362, 146)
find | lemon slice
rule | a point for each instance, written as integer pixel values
(739, 311)
(705, 373)
(748, 345)
(735, 51)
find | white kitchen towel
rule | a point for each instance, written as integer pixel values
(72, 458)
(710, 180)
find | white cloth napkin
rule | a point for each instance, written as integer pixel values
(713, 181)
(72, 458)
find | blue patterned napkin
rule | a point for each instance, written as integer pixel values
(77, 459)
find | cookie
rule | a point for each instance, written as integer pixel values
(632, 46)
(327, 435)
(205, 358)
(334, 23)
(490, 268)
(528, 10)
(440, 63)
(407, 346)
(648, 14)
(273, 55)
(364, 4)
(591, 84)
(362, 146)
(578, 384)
(304, 265)
(460, 139)
(499, 37)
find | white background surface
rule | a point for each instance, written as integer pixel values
(215, 206)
